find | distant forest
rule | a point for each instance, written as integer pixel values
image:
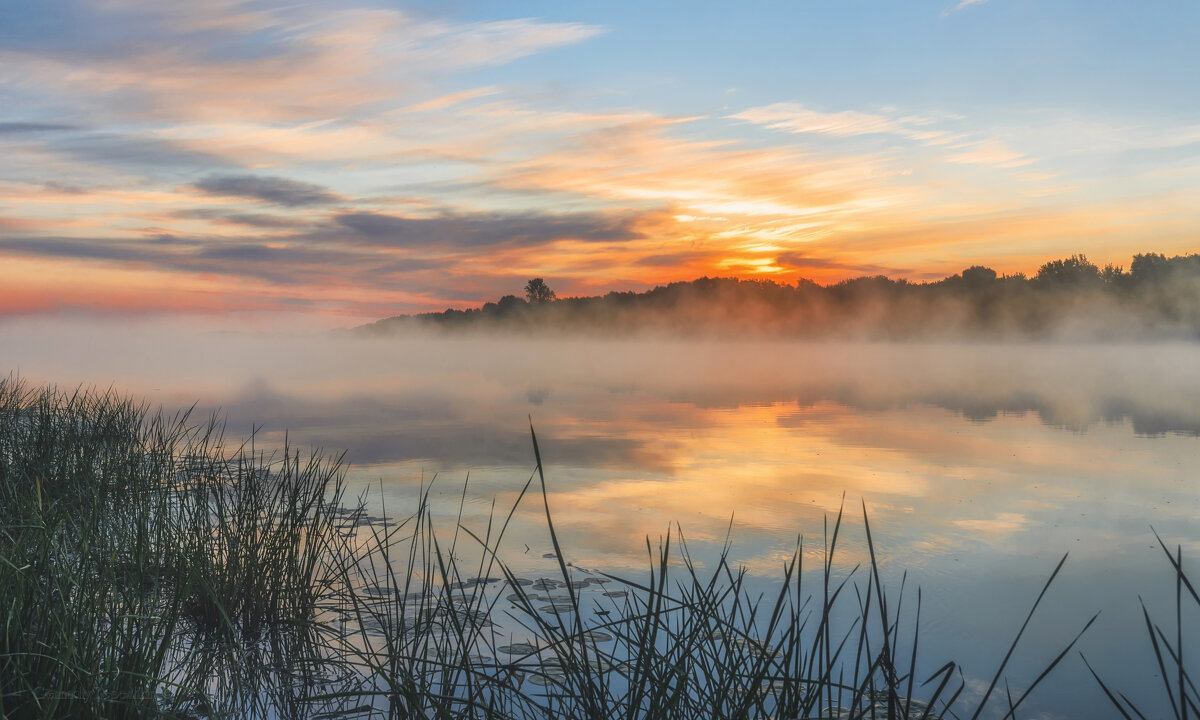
(1071, 299)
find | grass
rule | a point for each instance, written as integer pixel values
(148, 569)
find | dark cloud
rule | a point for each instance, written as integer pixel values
(243, 253)
(131, 151)
(485, 229)
(57, 247)
(669, 259)
(275, 264)
(277, 190)
(801, 261)
(280, 265)
(14, 128)
(407, 265)
(220, 215)
(68, 188)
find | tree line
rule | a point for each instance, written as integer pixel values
(1070, 298)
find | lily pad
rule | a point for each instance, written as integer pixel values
(521, 648)
(517, 598)
(596, 636)
(544, 679)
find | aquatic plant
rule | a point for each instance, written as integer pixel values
(148, 569)
(1179, 695)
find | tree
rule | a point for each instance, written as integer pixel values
(1073, 272)
(978, 276)
(1149, 268)
(538, 291)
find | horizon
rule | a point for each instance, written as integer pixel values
(252, 162)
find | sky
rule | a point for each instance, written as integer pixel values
(340, 162)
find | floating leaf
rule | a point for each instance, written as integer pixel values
(520, 648)
(596, 636)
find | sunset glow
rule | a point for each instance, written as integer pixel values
(346, 163)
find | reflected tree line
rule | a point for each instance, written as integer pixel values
(1071, 298)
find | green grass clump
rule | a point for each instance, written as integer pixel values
(139, 563)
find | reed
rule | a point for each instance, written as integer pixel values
(1179, 698)
(148, 569)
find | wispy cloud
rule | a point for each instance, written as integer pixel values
(988, 152)
(214, 61)
(808, 263)
(794, 118)
(526, 230)
(276, 190)
(963, 5)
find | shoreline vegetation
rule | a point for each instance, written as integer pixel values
(151, 568)
(1068, 299)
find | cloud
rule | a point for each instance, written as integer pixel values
(217, 60)
(13, 128)
(794, 118)
(128, 151)
(486, 229)
(74, 248)
(637, 160)
(989, 152)
(444, 101)
(800, 261)
(1001, 525)
(385, 253)
(276, 190)
(672, 259)
(964, 4)
(226, 217)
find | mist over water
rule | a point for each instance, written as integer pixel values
(980, 464)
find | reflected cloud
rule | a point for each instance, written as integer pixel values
(1000, 526)
(695, 429)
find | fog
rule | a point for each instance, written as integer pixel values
(465, 400)
(1067, 300)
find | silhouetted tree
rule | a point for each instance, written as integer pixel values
(509, 304)
(1160, 293)
(537, 291)
(1113, 275)
(1148, 268)
(978, 276)
(1075, 271)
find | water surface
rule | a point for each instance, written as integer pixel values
(979, 465)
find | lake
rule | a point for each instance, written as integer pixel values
(979, 465)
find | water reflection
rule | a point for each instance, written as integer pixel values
(980, 465)
(966, 441)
